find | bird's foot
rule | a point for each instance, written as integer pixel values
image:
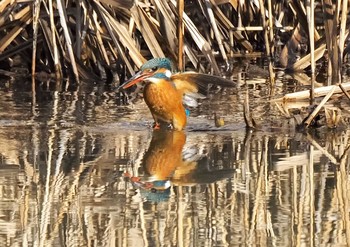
(163, 126)
(156, 126)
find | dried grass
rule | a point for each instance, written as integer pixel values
(89, 39)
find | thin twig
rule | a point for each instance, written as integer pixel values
(318, 108)
(344, 90)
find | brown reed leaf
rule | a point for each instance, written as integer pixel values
(210, 15)
(68, 39)
(305, 61)
(120, 35)
(148, 31)
(200, 41)
(234, 3)
(25, 18)
(124, 4)
(99, 40)
(318, 92)
(167, 26)
(228, 25)
(4, 4)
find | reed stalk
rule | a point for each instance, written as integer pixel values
(52, 43)
(335, 47)
(318, 108)
(263, 23)
(180, 28)
(318, 92)
(344, 11)
(214, 26)
(311, 27)
(63, 18)
(36, 13)
(271, 35)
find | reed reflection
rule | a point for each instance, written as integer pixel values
(63, 183)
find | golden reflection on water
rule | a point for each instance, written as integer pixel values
(77, 169)
(87, 187)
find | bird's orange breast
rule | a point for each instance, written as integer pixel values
(165, 103)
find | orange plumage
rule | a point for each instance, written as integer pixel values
(165, 102)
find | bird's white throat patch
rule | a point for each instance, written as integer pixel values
(158, 78)
(168, 73)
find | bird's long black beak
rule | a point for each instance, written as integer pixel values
(139, 76)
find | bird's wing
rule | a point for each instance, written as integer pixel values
(184, 83)
(194, 85)
(196, 82)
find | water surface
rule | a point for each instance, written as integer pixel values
(81, 168)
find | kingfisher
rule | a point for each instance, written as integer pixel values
(166, 93)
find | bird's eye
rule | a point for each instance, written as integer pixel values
(154, 68)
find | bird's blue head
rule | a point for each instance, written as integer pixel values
(157, 68)
(157, 63)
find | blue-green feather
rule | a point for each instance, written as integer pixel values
(160, 76)
(157, 63)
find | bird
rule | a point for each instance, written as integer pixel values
(166, 93)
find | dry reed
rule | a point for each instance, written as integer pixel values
(91, 39)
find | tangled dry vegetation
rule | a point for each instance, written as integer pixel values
(92, 38)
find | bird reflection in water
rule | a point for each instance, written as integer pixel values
(167, 163)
